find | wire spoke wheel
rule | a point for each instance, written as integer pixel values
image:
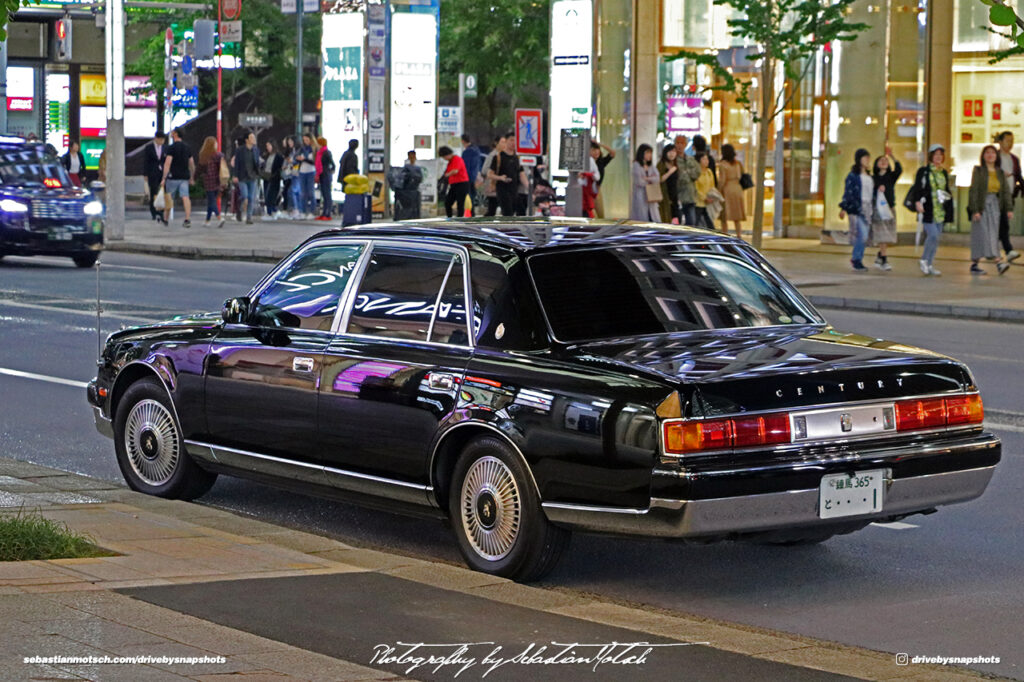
(151, 442)
(491, 508)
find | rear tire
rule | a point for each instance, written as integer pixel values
(86, 260)
(150, 451)
(495, 511)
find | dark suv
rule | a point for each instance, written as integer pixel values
(42, 213)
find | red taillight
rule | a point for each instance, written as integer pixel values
(965, 409)
(683, 437)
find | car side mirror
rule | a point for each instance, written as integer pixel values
(236, 310)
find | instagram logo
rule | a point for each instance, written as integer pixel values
(902, 659)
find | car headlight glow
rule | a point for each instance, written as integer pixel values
(12, 206)
(93, 208)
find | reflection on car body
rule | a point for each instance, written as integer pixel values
(619, 378)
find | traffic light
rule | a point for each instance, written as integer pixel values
(63, 33)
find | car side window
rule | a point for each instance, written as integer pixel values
(305, 294)
(450, 320)
(399, 292)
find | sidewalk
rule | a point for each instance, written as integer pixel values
(262, 602)
(822, 272)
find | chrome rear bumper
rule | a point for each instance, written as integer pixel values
(771, 511)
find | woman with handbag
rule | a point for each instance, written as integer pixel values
(858, 204)
(886, 171)
(989, 199)
(729, 173)
(931, 196)
(646, 187)
(669, 207)
(289, 180)
(209, 166)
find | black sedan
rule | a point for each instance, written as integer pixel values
(524, 379)
(42, 213)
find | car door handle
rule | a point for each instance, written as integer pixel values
(302, 364)
(441, 381)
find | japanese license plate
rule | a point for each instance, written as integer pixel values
(59, 235)
(850, 495)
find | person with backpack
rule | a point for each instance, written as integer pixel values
(349, 163)
(931, 197)
(325, 176)
(858, 204)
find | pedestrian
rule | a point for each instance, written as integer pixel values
(289, 181)
(931, 196)
(590, 188)
(349, 163)
(246, 166)
(989, 199)
(1010, 164)
(411, 178)
(273, 163)
(153, 168)
(700, 144)
(508, 176)
(325, 176)
(601, 161)
(305, 154)
(484, 180)
(688, 173)
(458, 182)
(885, 172)
(178, 176)
(209, 167)
(702, 188)
(74, 163)
(728, 177)
(474, 159)
(858, 204)
(668, 172)
(642, 207)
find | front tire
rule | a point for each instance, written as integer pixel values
(496, 513)
(150, 450)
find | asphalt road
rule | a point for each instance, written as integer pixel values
(946, 584)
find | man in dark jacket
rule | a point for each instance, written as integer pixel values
(349, 162)
(247, 163)
(154, 170)
(474, 160)
(1010, 164)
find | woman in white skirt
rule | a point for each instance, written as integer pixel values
(886, 172)
(988, 200)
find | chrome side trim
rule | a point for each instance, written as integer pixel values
(311, 473)
(753, 513)
(491, 427)
(103, 425)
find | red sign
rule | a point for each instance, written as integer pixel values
(19, 104)
(968, 108)
(997, 112)
(62, 30)
(979, 108)
(528, 131)
(231, 9)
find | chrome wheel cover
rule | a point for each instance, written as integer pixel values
(491, 508)
(151, 442)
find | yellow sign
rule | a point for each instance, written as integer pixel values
(93, 89)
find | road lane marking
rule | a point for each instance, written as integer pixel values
(999, 426)
(43, 377)
(896, 525)
(133, 267)
(72, 311)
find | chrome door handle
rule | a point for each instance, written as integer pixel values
(444, 382)
(302, 364)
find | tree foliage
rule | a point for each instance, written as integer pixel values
(8, 9)
(787, 34)
(505, 43)
(1011, 27)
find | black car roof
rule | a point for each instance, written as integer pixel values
(535, 234)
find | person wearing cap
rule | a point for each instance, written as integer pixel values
(931, 196)
(858, 193)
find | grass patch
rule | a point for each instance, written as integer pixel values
(27, 537)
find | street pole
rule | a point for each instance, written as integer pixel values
(3, 86)
(115, 119)
(220, 81)
(298, 69)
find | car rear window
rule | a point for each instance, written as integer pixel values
(606, 293)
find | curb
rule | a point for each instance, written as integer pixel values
(199, 252)
(924, 309)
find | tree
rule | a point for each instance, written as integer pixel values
(1004, 16)
(504, 43)
(787, 34)
(8, 10)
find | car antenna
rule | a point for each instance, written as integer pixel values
(99, 313)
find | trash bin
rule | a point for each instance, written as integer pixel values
(357, 209)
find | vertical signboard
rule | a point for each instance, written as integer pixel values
(376, 22)
(528, 132)
(572, 31)
(341, 86)
(413, 82)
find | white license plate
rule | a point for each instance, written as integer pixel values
(60, 235)
(850, 495)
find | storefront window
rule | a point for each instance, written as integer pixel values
(613, 91)
(696, 24)
(971, 28)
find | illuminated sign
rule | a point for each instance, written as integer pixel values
(51, 182)
(93, 90)
(19, 103)
(138, 92)
(571, 81)
(682, 115)
(341, 85)
(93, 121)
(413, 83)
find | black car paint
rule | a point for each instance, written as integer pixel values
(583, 415)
